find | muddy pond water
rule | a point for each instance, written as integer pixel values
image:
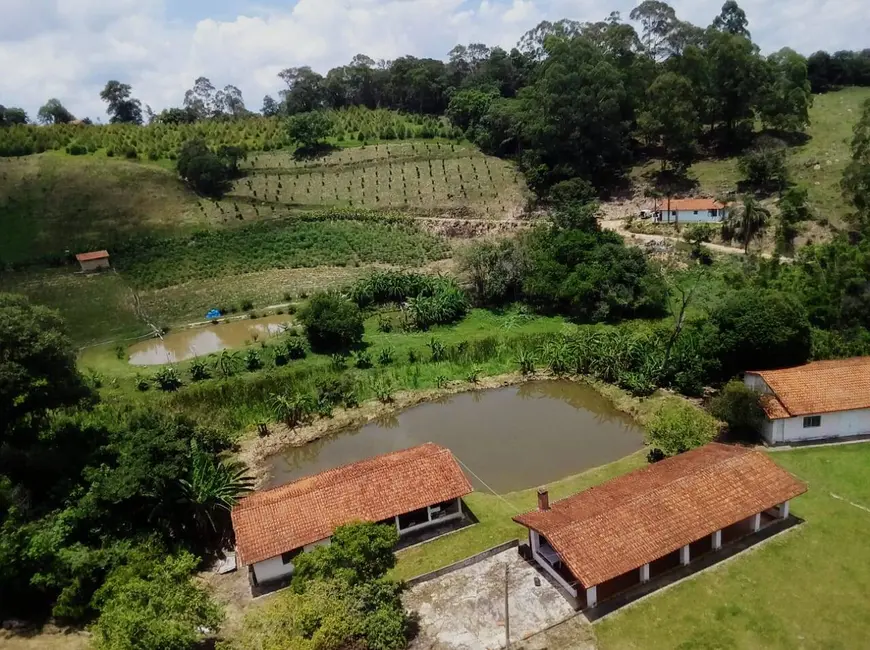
(512, 438)
(179, 345)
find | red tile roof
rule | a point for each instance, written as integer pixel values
(689, 204)
(95, 255)
(621, 525)
(285, 518)
(818, 387)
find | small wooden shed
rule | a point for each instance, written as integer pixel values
(93, 261)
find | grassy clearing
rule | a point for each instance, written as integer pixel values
(95, 307)
(806, 589)
(832, 116)
(53, 203)
(158, 263)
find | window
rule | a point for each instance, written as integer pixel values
(673, 213)
(696, 212)
(812, 421)
(289, 556)
(714, 213)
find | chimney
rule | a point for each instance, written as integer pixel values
(543, 499)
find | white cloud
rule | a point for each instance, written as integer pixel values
(69, 48)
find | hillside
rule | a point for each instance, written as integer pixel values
(817, 163)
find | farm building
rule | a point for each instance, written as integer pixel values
(687, 211)
(414, 489)
(607, 539)
(822, 399)
(93, 261)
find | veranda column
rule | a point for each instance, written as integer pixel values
(783, 510)
(684, 555)
(644, 574)
(591, 596)
(717, 540)
(756, 522)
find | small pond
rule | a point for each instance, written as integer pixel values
(179, 345)
(512, 438)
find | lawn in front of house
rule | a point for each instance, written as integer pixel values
(805, 589)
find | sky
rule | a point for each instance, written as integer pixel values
(69, 48)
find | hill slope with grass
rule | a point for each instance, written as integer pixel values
(817, 162)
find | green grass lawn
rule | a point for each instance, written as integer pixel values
(806, 589)
(95, 308)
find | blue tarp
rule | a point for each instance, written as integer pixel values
(214, 313)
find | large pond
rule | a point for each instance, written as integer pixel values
(184, 344)
(511, 438)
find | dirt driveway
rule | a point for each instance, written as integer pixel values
(464, 610)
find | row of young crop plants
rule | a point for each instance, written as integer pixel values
(162, 141)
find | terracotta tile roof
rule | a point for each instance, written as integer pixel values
(272, 522)
(621, 525)
(689, 204)
(773, 408)
(819, 387)
(95, 255)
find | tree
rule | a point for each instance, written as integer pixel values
(53, 112)
(671, 119)
(200, 100)
(533, 42)
(740, 407)
(304, 91)
(176, 116)
(357, 553)
(152, 604)
(761, 329)
(10, 116)
(745, 222)
(793, 209)
(38, 370)
(658, 21)
(677, 427)
(732, 19)
(467, 107)
(787, 94)
(856, 178)
(573, 117)
(203, 169)
(332, 323)
(271, 108)
(210, 490)
(229, 101)
(764, 166)
(122, 108)
(494, 270)
(309, 129)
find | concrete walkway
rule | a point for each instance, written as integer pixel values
(464, 609)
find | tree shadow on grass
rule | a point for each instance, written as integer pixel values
(315, 151)
(669, 182)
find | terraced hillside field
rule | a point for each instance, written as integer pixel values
(432, 177)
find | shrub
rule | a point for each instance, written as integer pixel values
(337, 391)
(142, 384)
(247, 305)
(294, 348)
(252, 360)
(362, 360)
(740, 408)
(332, 322)
(438, 350)
(131, 154)
(199, 370)
(383, 389)
(167, 379)
(386, 356)
(526, 361)
(678, 426)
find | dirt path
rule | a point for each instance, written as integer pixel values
(618, 226)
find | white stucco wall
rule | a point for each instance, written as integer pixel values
(90, 266)
(274, 568)
(833, 425)
(689, 216)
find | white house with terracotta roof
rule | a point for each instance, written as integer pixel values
(822, 399)
(625, 532)
(414, 489)
(687, 211)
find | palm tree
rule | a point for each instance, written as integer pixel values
(746, 222)
(211, 489)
